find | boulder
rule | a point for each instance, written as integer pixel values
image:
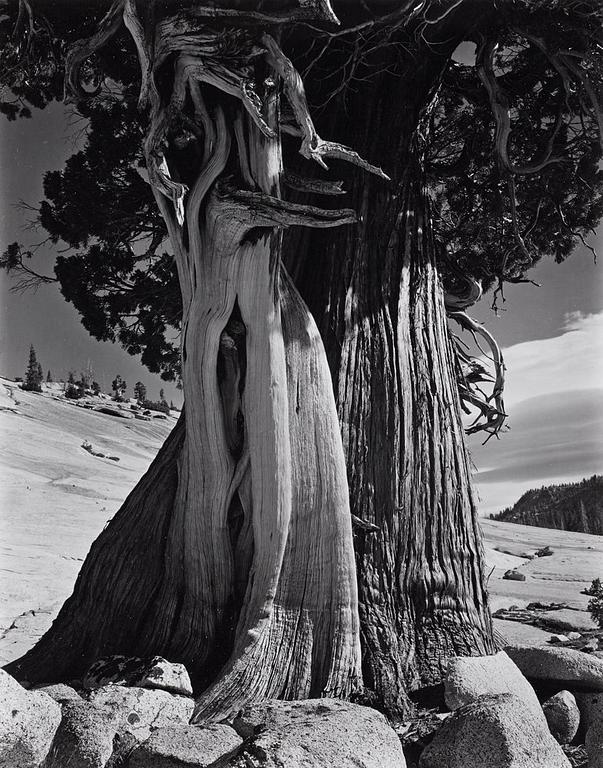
(316, 733)
(187, 746)
(140, 710)
(60, 692)
(557, 639)
(576, 670)
(155, 672)
(591, 708)
(574, 635)
(28, 723)
(84, 738)
(544, 552)
(594, 745)
(167, 676)
(469, 677)
(514, 576)
(562, 715)
(494, 732)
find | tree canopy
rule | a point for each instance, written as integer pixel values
(513, 146)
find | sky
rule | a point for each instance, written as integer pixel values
(552, 336)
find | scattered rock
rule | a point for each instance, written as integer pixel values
(590, 646)
(575, 669)
(556, 639)
(28, 723)
(84, 738)
(469, 677)
(544, 552)
(562, 715)
(514, 576)
(60, 692)
(114, 412)
(591, 708)
(142, 673)
(494, 732)
(574, 635)
(140, 710)
(187, 747)
(167, 676)
(141, 417)
(317, 733)
(594, 745)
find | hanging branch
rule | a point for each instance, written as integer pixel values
(84, 48)
(492, 409)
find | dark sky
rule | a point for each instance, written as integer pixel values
(552, 335)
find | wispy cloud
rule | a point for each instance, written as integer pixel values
(554, 397)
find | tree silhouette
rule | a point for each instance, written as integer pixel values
(140, 391)
(33, 375)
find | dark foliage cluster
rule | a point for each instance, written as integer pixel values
(34, 375)
(493, 220)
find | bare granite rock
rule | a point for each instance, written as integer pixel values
(594, 744)
(155, 672)
(140, 710)
(187, 746)
(494, 732)
(577, 670)
(562, 715)
(316, 733)
(28, 723)
(591, 708)
(469, 677)
(60, 692)
(84, 738)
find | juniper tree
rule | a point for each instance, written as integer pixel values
(235, 553)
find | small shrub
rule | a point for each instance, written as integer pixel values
(595, 605)
(73, 392)
(162, 407)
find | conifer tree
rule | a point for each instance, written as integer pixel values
(33, 374)
(140, 392)
(49, 377)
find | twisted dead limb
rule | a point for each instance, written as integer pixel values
(492, 409)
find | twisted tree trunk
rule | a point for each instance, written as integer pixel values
(379, 304)
(234, 554)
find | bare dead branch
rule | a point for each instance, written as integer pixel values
(492, 410)
(84, 48)
(256, 209)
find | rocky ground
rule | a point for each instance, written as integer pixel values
(66, 467)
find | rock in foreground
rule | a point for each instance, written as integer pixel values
(562, 715)
(494, 732)
(469, 677)
(28, 722)
(187, 747)
(138, 710)
(577, 670)
(315, 734)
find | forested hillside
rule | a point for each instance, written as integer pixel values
(568, 507)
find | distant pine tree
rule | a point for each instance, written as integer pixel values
(140, 391)
(49, 378)
(33, 374)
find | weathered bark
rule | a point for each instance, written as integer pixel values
(242, 565)
(379, 304)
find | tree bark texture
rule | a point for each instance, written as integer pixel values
(234, 555)
(378, 300)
